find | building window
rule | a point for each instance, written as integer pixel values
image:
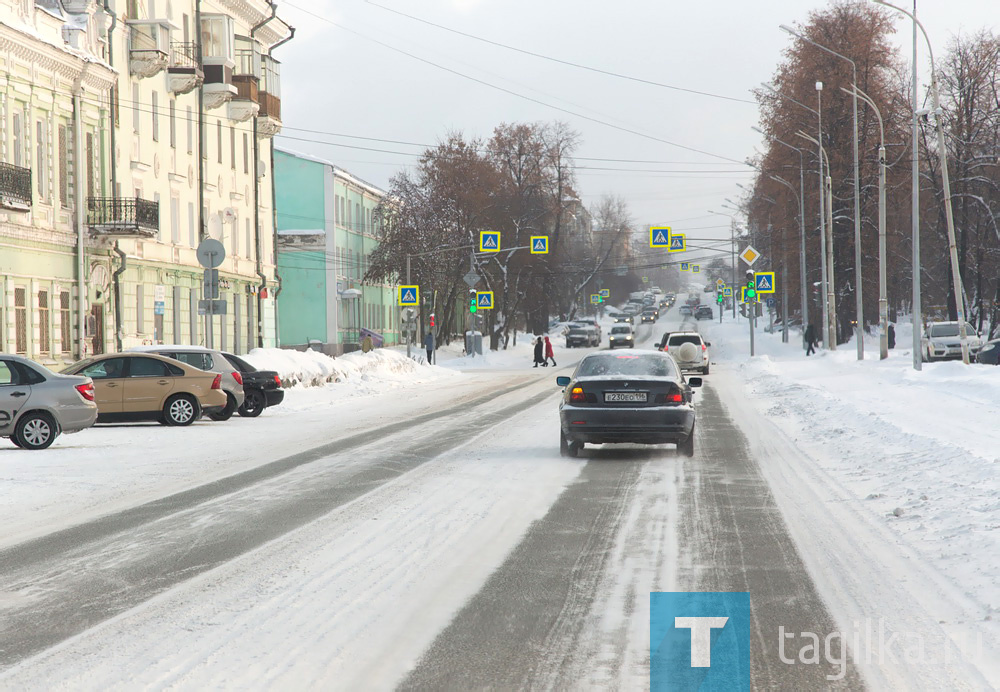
(336, 209)
(138, 308)
(18, 140)
(44, 335)
(41, 173)
(136, 113)
(192, 236)
(235, 231)
(190, 129)
(63, 167)
(173, 125)
(156, 116)
(91, 177)
(250, 254)
(65, 325)
(193, 322)
(232, 147)
(246, 157)
(175, 220)
(20, 320)
(237, 325)
(218, 138)
(251, 342)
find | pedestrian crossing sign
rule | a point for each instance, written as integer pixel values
(489, 241)
(539, 245)
(727, 291)
(685, 266)
(659, 237)
(677, 243)
(764, 282)
(595, 298)
(409, 296)
(605, 293)
(484, 300)
(695, 268)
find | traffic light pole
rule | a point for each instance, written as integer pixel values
(751, 314)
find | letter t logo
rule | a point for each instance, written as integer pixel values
(701, 637)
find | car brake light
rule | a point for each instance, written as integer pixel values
(577, 394)
(238, 377)
(277, 380)
(217, 382)
(704, 347)
(86, 391)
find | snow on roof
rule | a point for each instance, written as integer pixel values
(302, 231)
(337, 171)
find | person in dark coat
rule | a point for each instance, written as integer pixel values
(539, 358)
(549, 353)
(429, 345)
(810, 340)
(891, 336)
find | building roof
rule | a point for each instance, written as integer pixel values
(337, 171)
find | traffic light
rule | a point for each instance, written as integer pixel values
(473, 301)
(718, 298)
(751, 288)
(432, 320)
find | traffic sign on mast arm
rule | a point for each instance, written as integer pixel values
(489, 241)
(659, 237)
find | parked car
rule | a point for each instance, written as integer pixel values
(261, 387)
(689, 349)
(150, 387)
(989, 354)
(581, 335)
(640, 397)
(36, 404)
(704, 312)
(941, 341)
(621, 335)
(593, 323)
(210, 361)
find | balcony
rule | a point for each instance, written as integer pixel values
(184, 74)
(123, 217)
(246, 79)
(148, 46)
(15, 187)
(269, 117)
(217, 59)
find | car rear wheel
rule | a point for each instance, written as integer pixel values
(253, 405)
(181, 409)
(568, 448)
(687, 446)
(226, 413)
(704, 370)
(35, 431)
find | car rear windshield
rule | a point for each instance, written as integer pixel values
(650, 365)
(684, 339)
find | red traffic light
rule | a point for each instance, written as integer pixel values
(432, 320)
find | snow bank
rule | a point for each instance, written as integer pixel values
(314, 369)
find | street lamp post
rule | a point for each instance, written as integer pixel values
(858, 302)
(945, 182)
(883, 301)
(732, 232)
(784, 281)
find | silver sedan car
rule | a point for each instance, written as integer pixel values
(36, 404)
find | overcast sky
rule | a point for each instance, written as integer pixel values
(339, 80)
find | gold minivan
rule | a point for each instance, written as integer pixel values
(138, 387)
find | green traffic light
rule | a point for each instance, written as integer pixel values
(473, 305)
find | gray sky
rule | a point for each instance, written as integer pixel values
(336, 81)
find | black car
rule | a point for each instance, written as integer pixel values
(637, 397)
(989, 354)
(704, 312)
(261, 387)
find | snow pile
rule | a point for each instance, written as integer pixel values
(314, 369)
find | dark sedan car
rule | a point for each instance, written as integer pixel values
(262, 388)
(989, 354)
(640, 397)
(704, 312)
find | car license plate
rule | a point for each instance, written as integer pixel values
(625, 397)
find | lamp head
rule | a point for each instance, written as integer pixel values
(819, 86)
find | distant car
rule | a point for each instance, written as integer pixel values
(150, 387)
(689, 349)
(708, 288)
(989, 354)
(704, 312)
(941, 341)
(622, 318)
(621, 335)
(36, 404)
(593, 323)
(208, 360)
(581, 335)
(686, 310)
(648, 317)
(640, 397)
(261, 387)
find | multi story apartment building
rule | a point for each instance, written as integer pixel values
(326, 234)
(55, 103)
(143, 127)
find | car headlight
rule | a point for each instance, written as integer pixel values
(628, 338)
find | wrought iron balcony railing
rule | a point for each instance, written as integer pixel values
(183, 55)
(15, 187)
(123, 216)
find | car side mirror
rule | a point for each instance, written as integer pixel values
(694, 381)
(562, 381)
(708, 343)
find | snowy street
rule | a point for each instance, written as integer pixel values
(415, 526)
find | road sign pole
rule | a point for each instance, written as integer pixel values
(407, 324)
(752, 314)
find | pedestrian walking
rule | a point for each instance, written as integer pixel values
(429, 345)
(810, 340)
(891, 336)
(539, 357)
(549, 353)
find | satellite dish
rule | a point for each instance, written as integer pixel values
(215, 227)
